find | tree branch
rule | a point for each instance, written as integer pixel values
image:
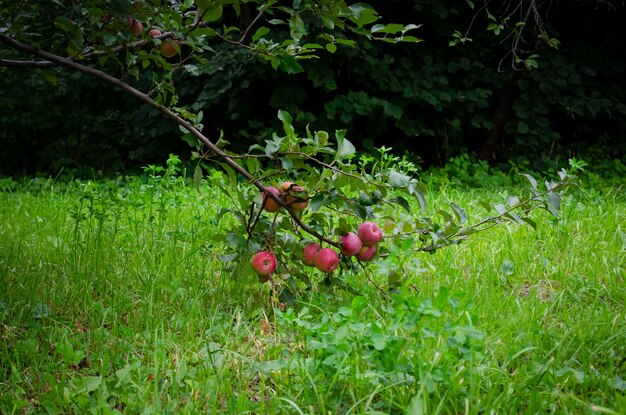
(70, 63)
(8, 63)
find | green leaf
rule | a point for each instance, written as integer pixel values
(331, 47)
(413, 190)
(365, 199)
(287, 120)
(460, 213)
(123, 373)
(297, 27)
(359, 303)
(289, 64)
(398, 180)
(446, 216)
(531, 222)
(379, 341)
(417, 406)
(363, 14)
(197, 176)
(512, 201)
(286, 163)
(236, 240)
(261, 31)
(273, 146)
(402, 202)
(66, 24)
(500, 208)
(89, 383)
(344, 147)
(532, 180)
(213, 13)
(317, 201)
(410, 39)
(486, 206)
(554, 203)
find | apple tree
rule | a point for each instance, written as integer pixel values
(299, 199)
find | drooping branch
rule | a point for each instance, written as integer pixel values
(525, 207)
(70, 63)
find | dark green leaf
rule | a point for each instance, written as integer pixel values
(446, 216)
(485, 205)
(554, 202)
(365, 199)
(460, 213)
(66, 24)
(530, 222)
(402, 202)
(419, 195)
(289, 64)
(316, 202)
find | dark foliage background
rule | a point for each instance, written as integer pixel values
(429, 99)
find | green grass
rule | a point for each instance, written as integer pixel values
(114, 300)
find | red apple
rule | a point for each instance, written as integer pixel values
(168, 48)
(270, 204)
(366, 253)
(154, 32)
(264, 264)
(136, 28)
(351, 244)
(308, 254)
(326, 260)
(370, 233)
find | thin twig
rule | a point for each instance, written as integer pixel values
(370, 279)
(245, 33)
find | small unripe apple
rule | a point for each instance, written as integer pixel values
(136, 28)
(270, 204)
(351, 244)
(326, 260)
(154, 32)
(308, 254)
(370, 233)
(168, 48)
(264, 264)
(366, 253)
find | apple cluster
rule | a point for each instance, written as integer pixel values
(168, 47)
(362, 245)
